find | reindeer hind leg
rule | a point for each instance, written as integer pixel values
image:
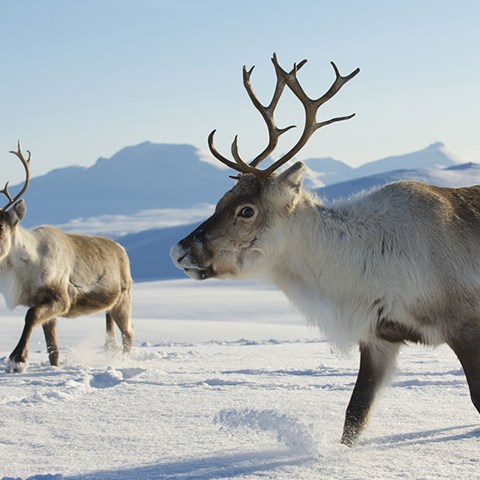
(121, 314)
(110, 342)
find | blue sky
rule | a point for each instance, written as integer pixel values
(83, 79)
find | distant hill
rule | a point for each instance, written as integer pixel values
(455, 176)
(145, 176)
(327, 171)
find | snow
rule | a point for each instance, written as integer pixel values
(225, 381)
(287, 429)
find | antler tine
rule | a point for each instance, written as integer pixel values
(267, 112)
(311, 107)
(336, 85)
(26, 164)
(6, 193)
(219, 156)
(244, 167)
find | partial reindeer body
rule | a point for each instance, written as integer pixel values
(82, 273)
(57, 274)
(386, 265)
(371, 267)
(398, 264)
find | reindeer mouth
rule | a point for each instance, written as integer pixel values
(186, 261)
(199, 273)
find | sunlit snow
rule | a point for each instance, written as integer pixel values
(225, 381)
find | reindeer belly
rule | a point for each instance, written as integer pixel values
(91, 303)
(93, 300)
(392, 331)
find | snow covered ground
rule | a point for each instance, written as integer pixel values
(225, 381)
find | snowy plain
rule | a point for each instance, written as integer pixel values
(225, 381)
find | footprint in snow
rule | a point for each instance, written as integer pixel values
(112, 377)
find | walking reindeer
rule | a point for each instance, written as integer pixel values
(56, 274)
(399, 264)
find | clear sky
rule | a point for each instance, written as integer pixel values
(82, 79)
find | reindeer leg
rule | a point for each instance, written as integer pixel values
(51, 307)
(121, 314)
(466, 345)
(50, 332)
(376, 361)
(110, 343)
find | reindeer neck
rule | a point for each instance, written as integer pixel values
(15, 268)
(329, 268)
(23, 250)
(316, 236)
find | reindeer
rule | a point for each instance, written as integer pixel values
(396, 265)
(56, 274)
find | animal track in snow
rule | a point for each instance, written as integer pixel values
(287, 430)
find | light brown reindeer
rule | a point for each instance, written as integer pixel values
(395, 265)
(57, 274)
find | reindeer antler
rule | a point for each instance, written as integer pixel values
(311, 107)
(26, 165)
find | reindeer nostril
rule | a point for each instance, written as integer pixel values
(178, 254)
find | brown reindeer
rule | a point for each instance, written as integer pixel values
(395, 265)
(56, 274)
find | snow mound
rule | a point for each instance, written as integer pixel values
(109, 378)
(288, 430)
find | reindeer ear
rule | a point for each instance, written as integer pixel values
(293, 176)
(16, 213)
(288, 184)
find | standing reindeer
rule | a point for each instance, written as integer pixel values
(57, 274)
(399, 264)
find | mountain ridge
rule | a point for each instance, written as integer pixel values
(151, 176)
(332, 171)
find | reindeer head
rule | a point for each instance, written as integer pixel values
(14, 210)
(242, 235)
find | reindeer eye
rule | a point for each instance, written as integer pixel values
(247, 212)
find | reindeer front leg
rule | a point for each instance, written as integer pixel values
(38, 315)
(376, 361)
(465, 342)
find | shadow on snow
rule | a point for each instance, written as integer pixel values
(207, 468)
(438, 435)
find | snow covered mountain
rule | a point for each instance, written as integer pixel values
(142, 177)
(168, 176)
(455, 176)
(327, 171)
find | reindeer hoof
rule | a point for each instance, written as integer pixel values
(112, 347)
(15, 367)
